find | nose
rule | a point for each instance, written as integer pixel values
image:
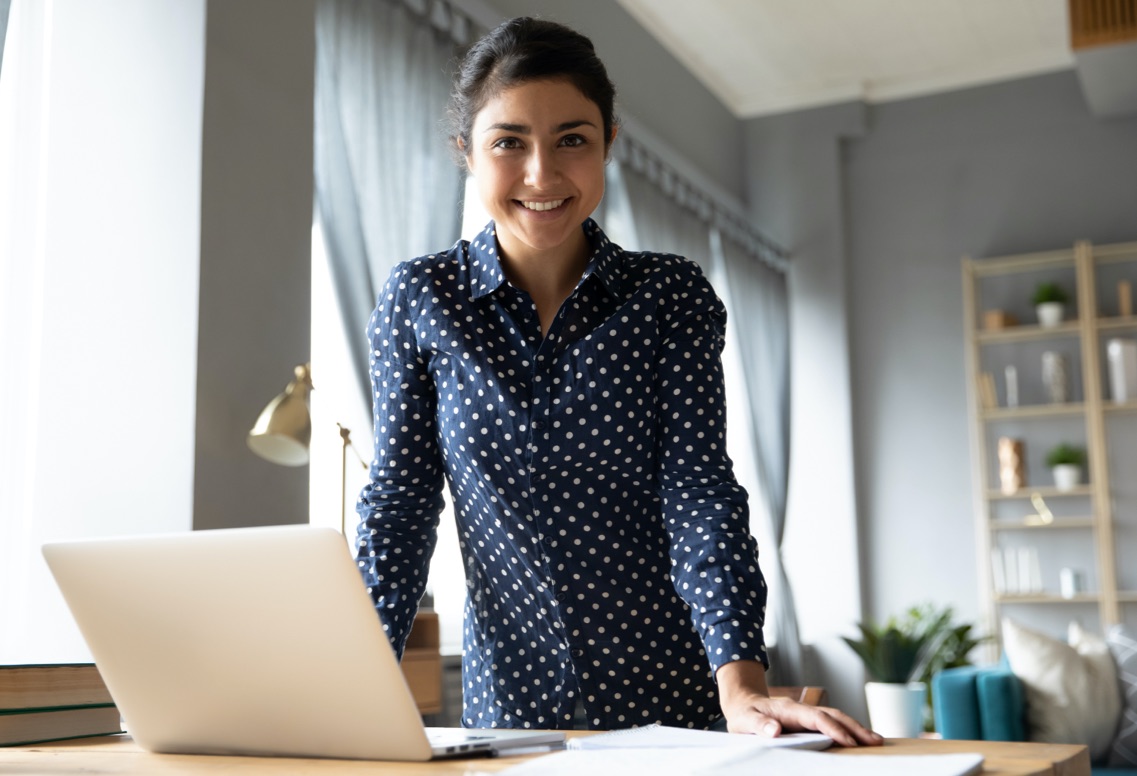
(541, 168)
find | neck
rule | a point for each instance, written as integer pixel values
(547, 276)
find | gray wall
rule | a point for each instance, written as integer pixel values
(651, 85)
(877, 219)
(256, 223)
(1009, 168)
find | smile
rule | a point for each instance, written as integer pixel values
(542, 206)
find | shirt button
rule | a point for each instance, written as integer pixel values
(538, 425)
(562, 596)
(548, 540)
(577, 652)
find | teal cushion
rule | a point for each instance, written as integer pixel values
(955, 703)
(1001, 705)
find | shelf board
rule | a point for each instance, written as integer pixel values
(1107, 254)
(1046, 598)
(1036, 411)
(1059, 523)
(1048, 492)
(1127, 596)
(1126, 407)
(1025, 262)
(1117, 322)
(1024, 333)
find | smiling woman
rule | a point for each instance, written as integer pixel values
(571, 393)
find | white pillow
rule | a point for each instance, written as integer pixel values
(1072, 694)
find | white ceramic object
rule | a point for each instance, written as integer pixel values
(1122, 357)
(896, 710)
(1050, 314)
(1066, 476)
(1054, 377)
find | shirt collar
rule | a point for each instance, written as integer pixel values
(486, 275)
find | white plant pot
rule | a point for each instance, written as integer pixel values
(1067, 476)
(896, 710)
(1050, 314)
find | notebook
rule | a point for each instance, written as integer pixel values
(252, 641)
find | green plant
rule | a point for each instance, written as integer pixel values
(1050, 292)
(914, 647)
(1065, 454)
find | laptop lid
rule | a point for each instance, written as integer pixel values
(256, 641)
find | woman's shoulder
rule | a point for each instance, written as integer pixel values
(428, 271)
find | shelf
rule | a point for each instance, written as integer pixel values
(1036, 411)
(1047, 598)
(1058, 524)
(1048, 492)
(1127, 407)
(1127, 596)
(1108, 254)
(1025, 333)
(1117, 322)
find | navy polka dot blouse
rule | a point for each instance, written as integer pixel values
(605, 540)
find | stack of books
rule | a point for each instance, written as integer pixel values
(51, 702)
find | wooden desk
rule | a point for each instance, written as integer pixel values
(119, 756)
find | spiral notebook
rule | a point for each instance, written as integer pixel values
(665, 737)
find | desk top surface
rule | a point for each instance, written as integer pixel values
(120, 756)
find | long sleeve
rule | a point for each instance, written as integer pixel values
(713, 554)
(401, 504)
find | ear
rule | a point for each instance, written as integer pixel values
(465, 152)
(611, 140)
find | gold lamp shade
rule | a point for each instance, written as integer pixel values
(284, 429)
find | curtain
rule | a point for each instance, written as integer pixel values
(759, 304)
(639, 215)
(5, 5)
(387, 187)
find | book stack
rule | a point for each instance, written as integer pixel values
(51, 702)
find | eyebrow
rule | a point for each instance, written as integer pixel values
(524, 129)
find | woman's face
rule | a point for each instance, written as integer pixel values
(537, 154)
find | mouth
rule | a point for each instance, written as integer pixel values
(541, 207)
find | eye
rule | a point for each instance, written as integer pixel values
(572, 141)
(506, 144)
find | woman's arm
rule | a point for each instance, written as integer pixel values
(401, 504)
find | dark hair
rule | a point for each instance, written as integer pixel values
(526, 49)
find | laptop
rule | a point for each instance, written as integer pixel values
(252, 641)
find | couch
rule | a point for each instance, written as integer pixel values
(989, 704)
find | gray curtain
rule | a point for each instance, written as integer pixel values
(5, 6)
(387, 187)
(640, 215)
(759, 305)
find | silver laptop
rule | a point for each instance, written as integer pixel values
(252, 641)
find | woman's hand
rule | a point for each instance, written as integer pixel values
(748, 708)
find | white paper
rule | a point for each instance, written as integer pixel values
(744, 761)
(666, 737)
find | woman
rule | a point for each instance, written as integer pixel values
(571, 393)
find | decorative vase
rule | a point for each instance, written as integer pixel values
(896, 710)
(1050, 314)
(1054, 376)
(1066, 476)
(1012, 468)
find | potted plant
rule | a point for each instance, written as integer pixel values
(1065, 462)
(1050, 304)
(901, 656)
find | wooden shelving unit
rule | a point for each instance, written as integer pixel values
(1085, 514)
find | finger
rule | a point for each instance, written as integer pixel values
(756, 723)
(850, 732)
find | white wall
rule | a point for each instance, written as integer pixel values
(99, 296)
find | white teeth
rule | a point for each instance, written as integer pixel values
(541, 206)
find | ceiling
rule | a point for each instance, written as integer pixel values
(770, 56)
